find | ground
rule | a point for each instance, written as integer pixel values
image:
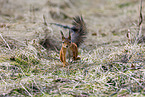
(112, 59)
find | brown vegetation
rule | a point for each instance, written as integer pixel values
(112, 56)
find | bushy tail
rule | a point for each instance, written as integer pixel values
(78, 30)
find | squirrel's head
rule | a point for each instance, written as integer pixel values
(66, 42)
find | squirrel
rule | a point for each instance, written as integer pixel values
(77, 34)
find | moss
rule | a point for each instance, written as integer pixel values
(25, 62)
(4, 58)
(21, 62)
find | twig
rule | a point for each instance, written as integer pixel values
(26, 90)
(139, 23)
(38, 87)
(45, 23)
(128, 36)
(141, 17)
(5, 41)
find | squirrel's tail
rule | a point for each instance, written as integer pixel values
(79, 30)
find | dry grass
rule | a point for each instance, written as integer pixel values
(110, 65)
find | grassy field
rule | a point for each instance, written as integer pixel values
(111, 64)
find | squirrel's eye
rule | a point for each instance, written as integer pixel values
(63, 42)
(70, 42)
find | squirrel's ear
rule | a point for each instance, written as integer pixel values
(62, 35)
(69, 37)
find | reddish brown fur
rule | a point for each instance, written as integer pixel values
(68, 49)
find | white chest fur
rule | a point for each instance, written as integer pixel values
(69, 53)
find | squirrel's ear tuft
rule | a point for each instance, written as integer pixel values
(62, 35)
(69, 37)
